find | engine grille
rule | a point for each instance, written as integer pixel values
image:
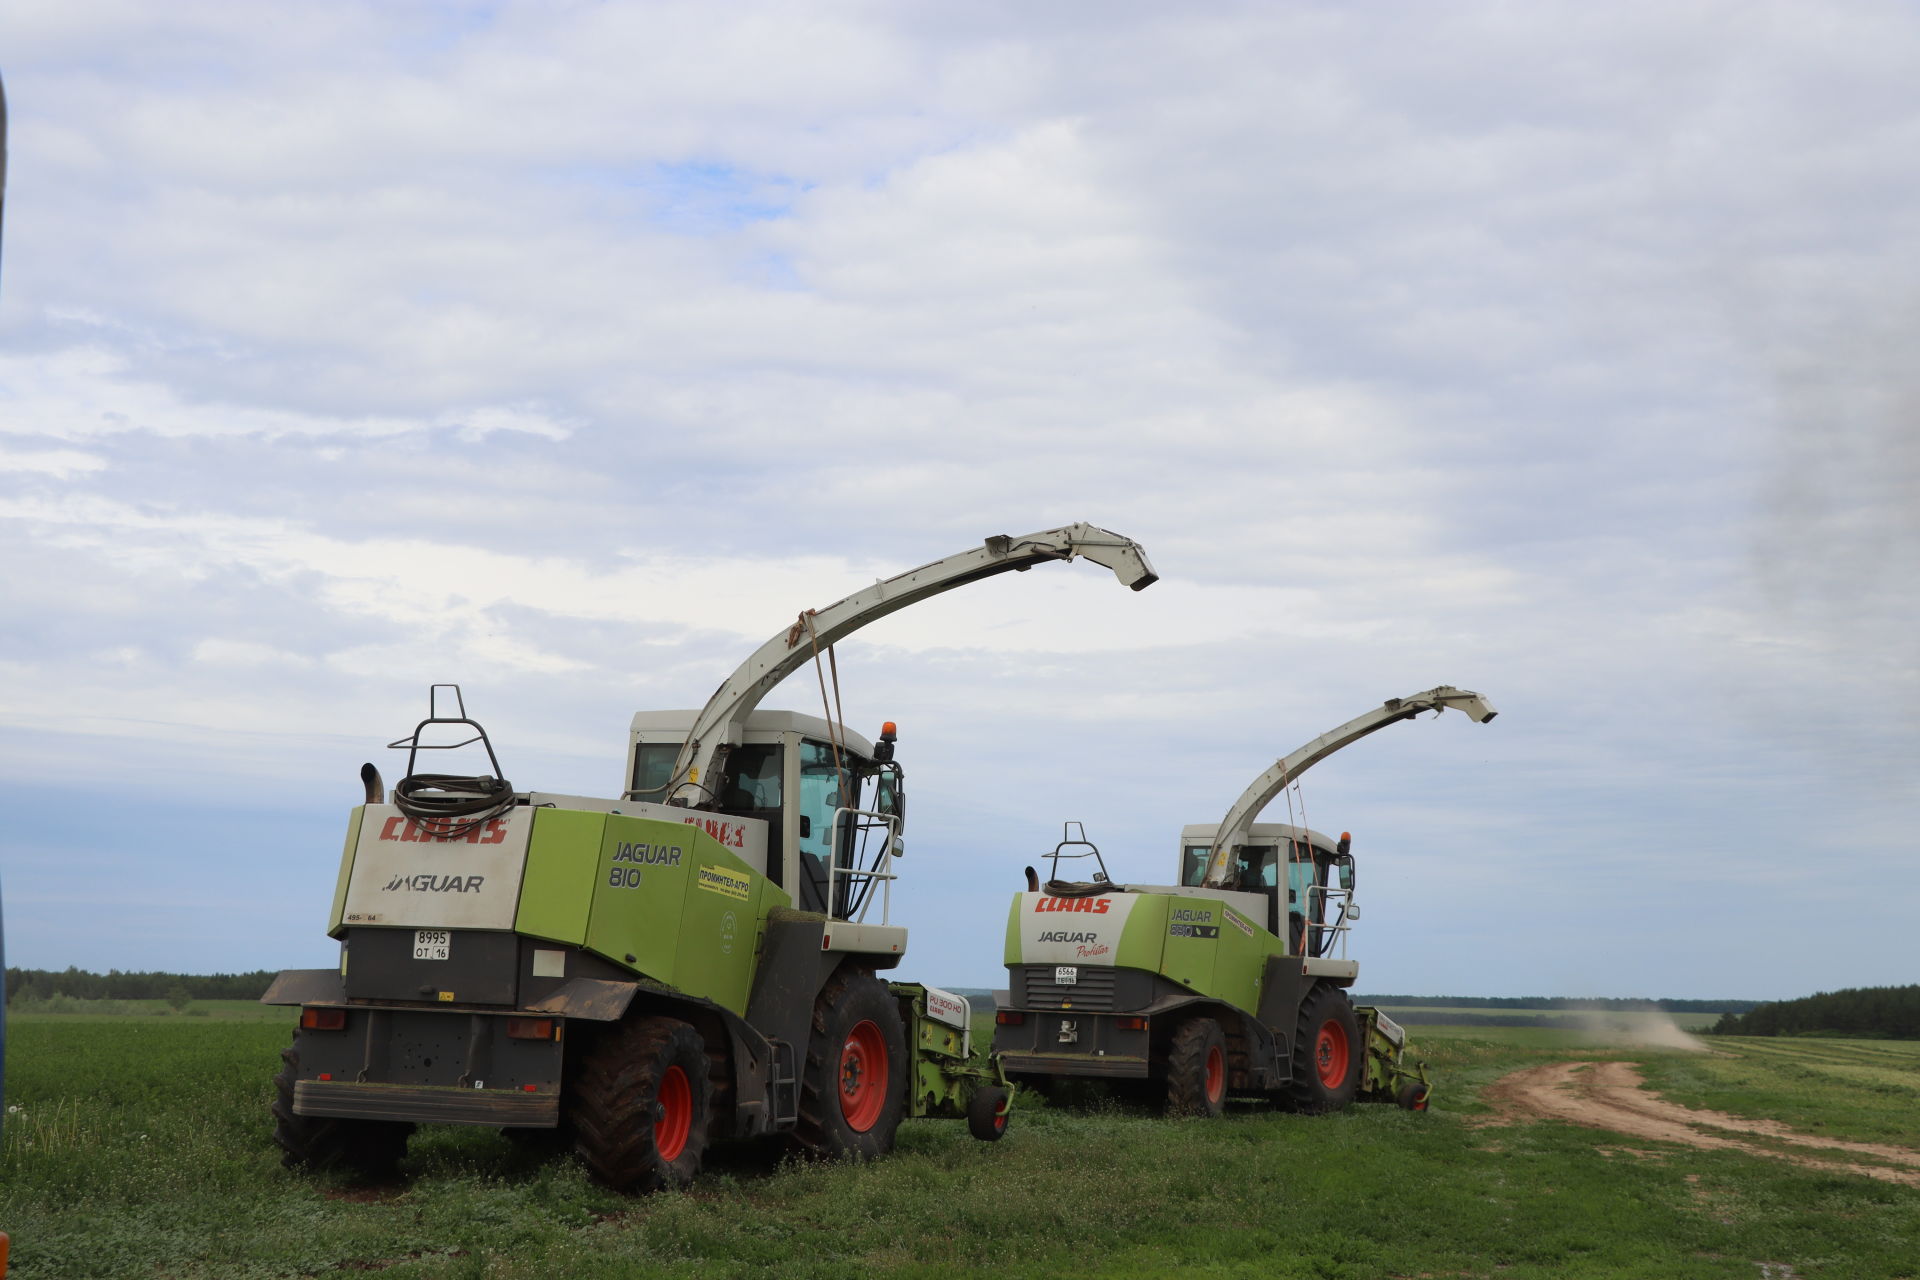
(1036, 989)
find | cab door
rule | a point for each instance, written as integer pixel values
(824, 786)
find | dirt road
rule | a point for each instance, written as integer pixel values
(1613, 1096)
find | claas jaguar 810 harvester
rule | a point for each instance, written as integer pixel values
(696, 959)
(1232, 982)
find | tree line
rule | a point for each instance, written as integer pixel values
(1870, 1012)
(34, 985)
(1597, 1004)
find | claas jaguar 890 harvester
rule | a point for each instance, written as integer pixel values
(696, 959)
(1232, 982)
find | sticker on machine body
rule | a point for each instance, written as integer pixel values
(1071, 932)
(726, 883)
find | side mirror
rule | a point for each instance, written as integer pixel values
(1346, 873)
(806, 827)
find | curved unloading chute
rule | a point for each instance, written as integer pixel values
(1237, 825)
(719, 725)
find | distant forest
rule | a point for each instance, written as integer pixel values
(1601, 1005)
(1891, 1013)
(34, 985)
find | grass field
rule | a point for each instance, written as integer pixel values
(140, 1147)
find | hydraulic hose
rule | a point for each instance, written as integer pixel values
(450, 806)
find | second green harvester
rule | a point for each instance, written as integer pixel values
(1231, 983)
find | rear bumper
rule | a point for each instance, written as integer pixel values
(430, 1067)
(1109, 1067)
(426, 1104)
(1073, 1043)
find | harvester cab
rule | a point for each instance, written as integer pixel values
(1304, 879)
(694, 959)
(1231, 981)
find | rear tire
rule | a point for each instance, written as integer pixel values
(369, 1148)
(1197, 1070)
(987, 1113)
(1327, 1053)
(641, 1109)
(853, 1087)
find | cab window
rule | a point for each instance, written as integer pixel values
(753, 779)
(1193, 864)
(653, 770)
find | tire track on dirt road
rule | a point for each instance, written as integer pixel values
(1613, 1096)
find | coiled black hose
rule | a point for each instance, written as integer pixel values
(450, 806)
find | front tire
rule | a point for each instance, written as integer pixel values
(1327, 1053)
(369, 1148)
(642, 1107)
(853, 1089)
(1197, 1070)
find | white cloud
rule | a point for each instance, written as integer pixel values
(568, 351)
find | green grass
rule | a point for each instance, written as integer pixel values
(218, 1010)
(141, 1147)
(1861, 1090)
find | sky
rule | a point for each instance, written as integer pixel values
(567, 350)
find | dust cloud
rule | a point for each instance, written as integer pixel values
(1637, 1029)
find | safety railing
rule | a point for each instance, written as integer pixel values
(1335, 906)
(860, 880)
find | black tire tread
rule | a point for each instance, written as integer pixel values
(610, 1107)
(850, 996)
(986, 1118)
(1187, 1069)
(1305, 1093)
(370, 1148)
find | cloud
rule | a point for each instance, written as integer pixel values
(569, 351)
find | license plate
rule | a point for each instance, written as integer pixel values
(1066, 975)
(431, 944)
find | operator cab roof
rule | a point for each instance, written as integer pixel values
(661, 726)
(1259, 833)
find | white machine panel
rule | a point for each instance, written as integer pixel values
(1072, 931)
(403, 875)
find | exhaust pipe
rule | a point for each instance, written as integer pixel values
(370, 779)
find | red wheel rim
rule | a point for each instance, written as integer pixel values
(1216, 1074)
(863, 1076)
(1332, 1054)
(676, 1114)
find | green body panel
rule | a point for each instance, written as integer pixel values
(1189, 958)
(1143, 943)
(556, 890)
(334, 929)
(672, 903)
(1241, 963)
(1214, 950)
